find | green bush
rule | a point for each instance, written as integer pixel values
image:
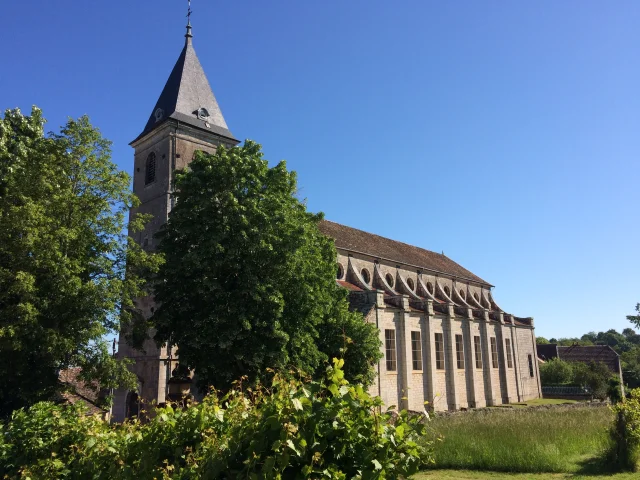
(594, 375)
(327, 429)
(626, 432)
(556, 372)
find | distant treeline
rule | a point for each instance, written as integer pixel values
(626, 344)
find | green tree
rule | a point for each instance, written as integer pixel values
(631, 336)
(63, 252)
(635, 319)
(249, 280)
(556, 372)
(595, 375)
(541, 341)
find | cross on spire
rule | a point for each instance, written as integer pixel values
(189, 12)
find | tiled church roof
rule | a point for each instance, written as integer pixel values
(355, 240)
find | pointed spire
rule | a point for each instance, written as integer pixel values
(187, 96)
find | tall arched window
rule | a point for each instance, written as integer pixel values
(133, 405)
(150, 169)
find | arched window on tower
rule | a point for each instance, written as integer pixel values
(150, 169)
(133, 405)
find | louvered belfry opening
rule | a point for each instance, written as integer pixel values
(150, 169)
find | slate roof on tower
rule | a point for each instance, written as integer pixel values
(186, 92)
(358, 241)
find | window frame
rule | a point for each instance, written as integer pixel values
(477, 345)
(507, 345)
(459, 351)
(495, 362)
(439, 348)
(416, 350)
(530, 358)
(390, 351)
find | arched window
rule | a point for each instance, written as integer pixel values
(340, 272)
(430, 287)
(133, 405)
(150, 169)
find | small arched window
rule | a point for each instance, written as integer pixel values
(462, 294)
(340, 272)
(150, 169)
(430, 287)
(133, 405)
(447, 291)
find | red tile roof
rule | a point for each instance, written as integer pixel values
(349, 286)
(358, 241)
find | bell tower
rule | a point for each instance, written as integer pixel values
(186, 118)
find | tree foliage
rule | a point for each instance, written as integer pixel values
(317, 430)
(556, 372)
(62, 257)
(626, 344)
(626, 432)
(635, 319)
(595, 376)
(249, 280)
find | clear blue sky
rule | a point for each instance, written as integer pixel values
(505, 134)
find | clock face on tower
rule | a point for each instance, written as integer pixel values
(203, 113)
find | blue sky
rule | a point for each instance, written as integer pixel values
(505, 134)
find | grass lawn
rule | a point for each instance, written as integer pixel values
(470, 475)
(556, 440)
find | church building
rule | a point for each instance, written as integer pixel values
(445, 341)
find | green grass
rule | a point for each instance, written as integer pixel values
(538, 402)
(562, 440)
(473, 475)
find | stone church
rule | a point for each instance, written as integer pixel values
(445, 340)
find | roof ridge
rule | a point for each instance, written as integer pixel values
(355, 239)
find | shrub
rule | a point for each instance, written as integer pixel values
(594, 375)
(556, 372)
(327, 429)
(626, 432)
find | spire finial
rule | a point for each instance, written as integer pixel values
(189, 12)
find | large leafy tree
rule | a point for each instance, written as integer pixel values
(63, 256)
(248, 282)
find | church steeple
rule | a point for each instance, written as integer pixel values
(187, 96)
